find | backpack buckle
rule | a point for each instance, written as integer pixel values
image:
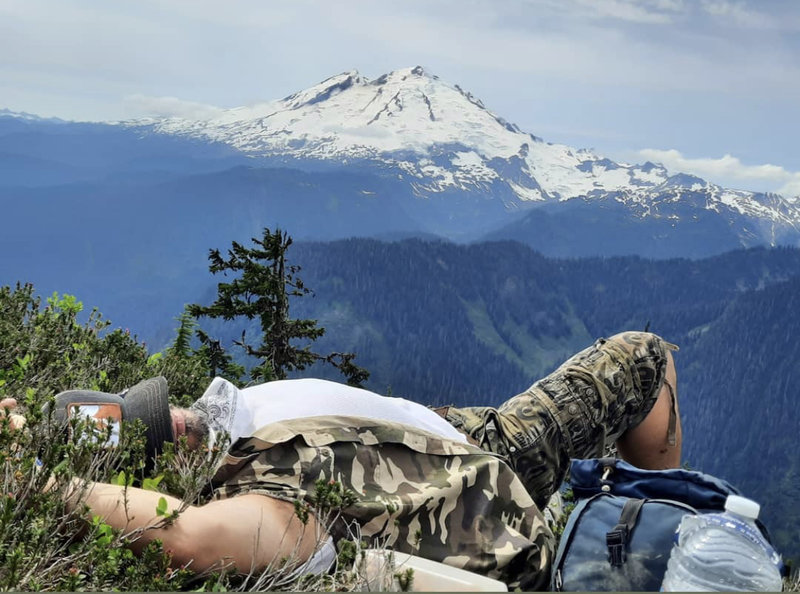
(616, 540)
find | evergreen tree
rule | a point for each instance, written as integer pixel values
(218, 361)
(262, 290)
(181, 346)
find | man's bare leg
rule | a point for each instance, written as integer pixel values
(647, 445)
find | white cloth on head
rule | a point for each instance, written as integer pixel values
(240, 412)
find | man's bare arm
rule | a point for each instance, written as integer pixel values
(250, 531)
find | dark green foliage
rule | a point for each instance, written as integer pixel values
(47, 350)
(744, 399)
(181, 347)
(262, 292)
(219, 362)
(185, 368)
(44, 350)
(441, 323)
(45, 548)
(568, 502)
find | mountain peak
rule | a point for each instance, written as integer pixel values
(325, 89)
(419, 71)
(686, 180)
(441, 138)
(408, 109)
(434, 131)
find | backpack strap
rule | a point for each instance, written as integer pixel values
(617, 538)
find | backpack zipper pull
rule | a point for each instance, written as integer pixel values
(605, 485)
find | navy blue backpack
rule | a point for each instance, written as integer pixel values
(621, 532)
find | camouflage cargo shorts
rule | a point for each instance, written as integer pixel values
(417, 493)
(575, 412)
(471, 505)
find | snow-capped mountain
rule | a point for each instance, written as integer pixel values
(437, 133)
(443, 139)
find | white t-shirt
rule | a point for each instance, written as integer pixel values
(241, 412)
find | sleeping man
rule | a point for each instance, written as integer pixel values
(463, 486)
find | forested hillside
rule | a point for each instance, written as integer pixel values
(506, 308)
(741, 383)
(441, 322)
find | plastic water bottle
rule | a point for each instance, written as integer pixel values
(723, 552)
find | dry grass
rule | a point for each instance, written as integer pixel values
(792, 583)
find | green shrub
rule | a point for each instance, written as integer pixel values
(45, 349)
(44, 548)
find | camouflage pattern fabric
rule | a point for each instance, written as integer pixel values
(416, 492)
(575, 412)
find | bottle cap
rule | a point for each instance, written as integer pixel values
(742, 506)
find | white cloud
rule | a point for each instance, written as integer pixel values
(792, 187)
(167, 107)
(754, 14)
(635, 11)
(586, 42)
(738, 13)
(674, 5)
(727, 167)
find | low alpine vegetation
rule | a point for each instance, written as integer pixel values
(45, 348)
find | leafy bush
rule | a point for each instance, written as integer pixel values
(45, 349)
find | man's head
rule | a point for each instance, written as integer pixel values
(147, 401)
(187, 422)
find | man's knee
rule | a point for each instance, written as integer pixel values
(654, 441)
(641, 344)
(650, 357)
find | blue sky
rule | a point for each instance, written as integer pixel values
(710, 87)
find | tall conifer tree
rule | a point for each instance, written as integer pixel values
(262, 290)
